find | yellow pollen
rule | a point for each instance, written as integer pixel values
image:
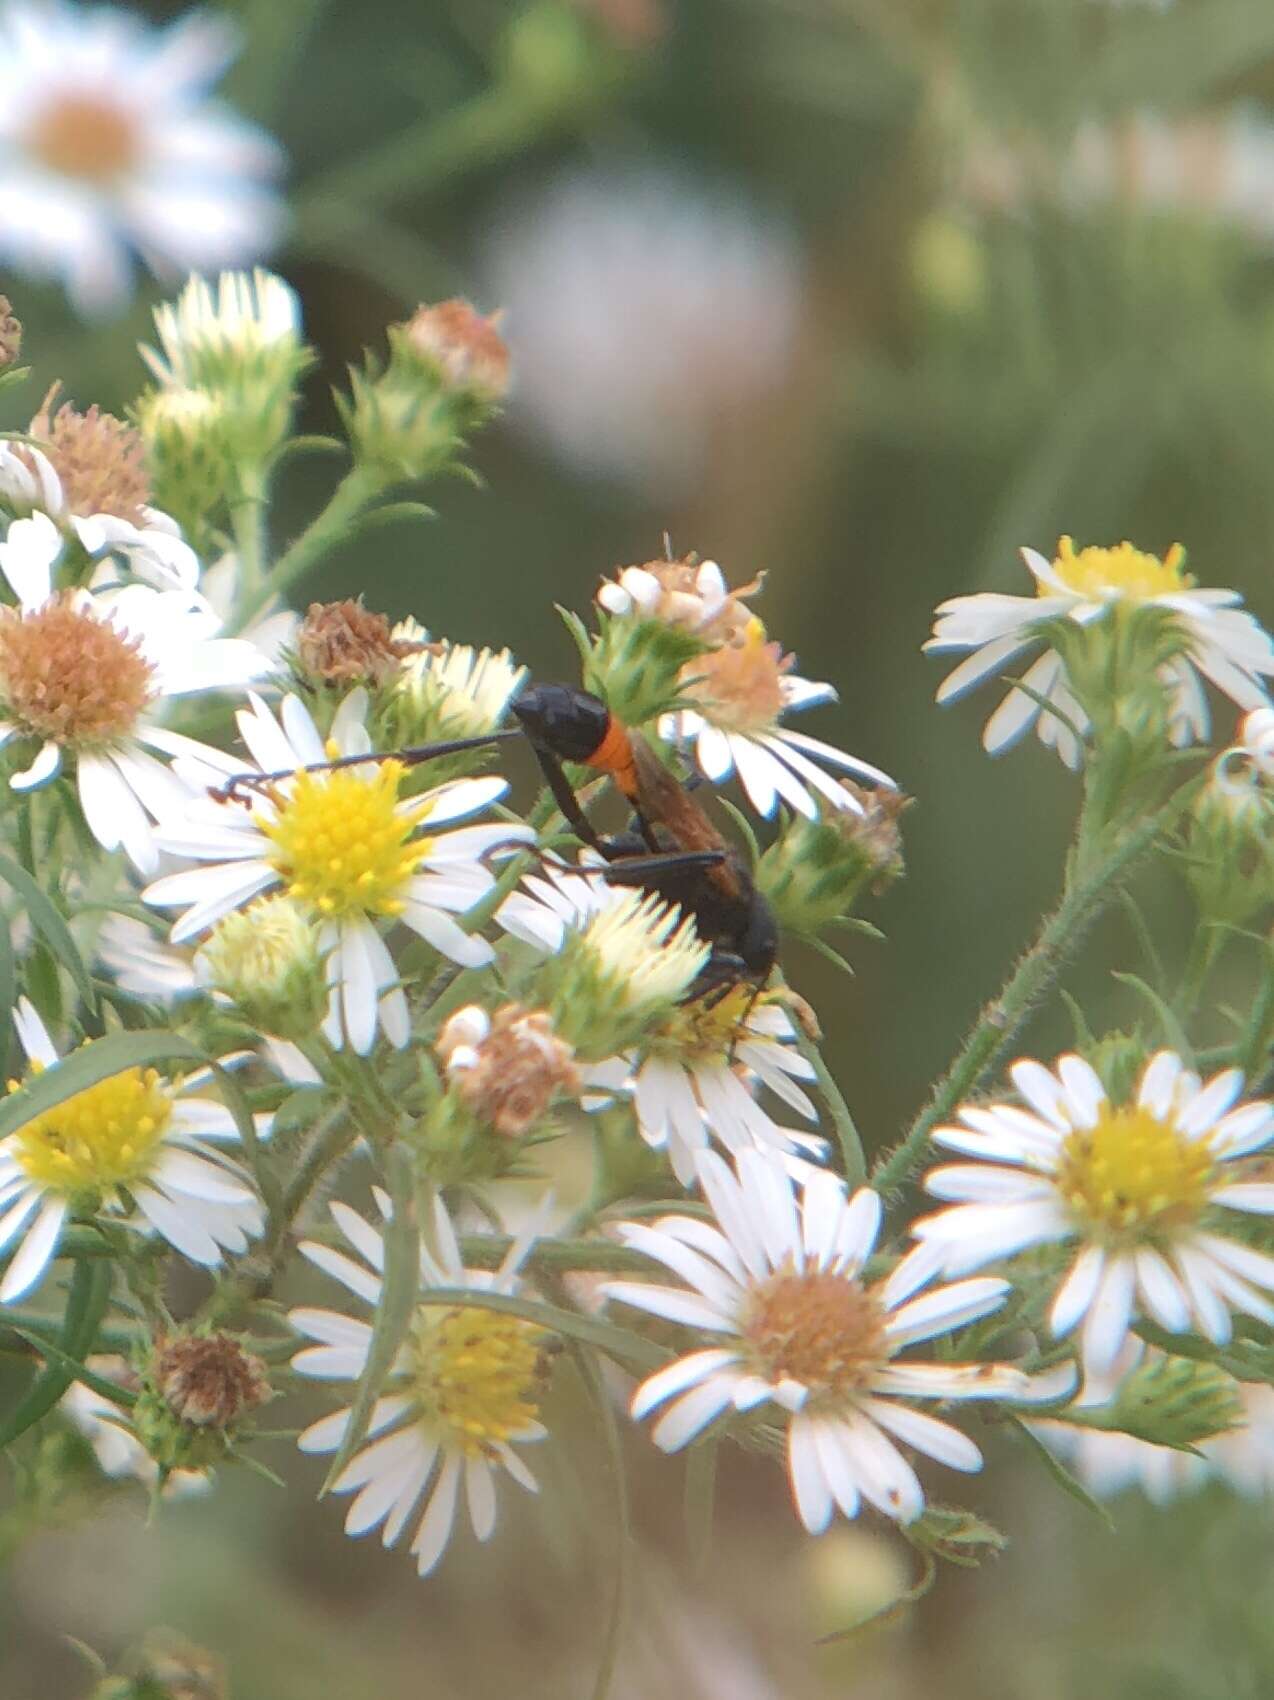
(820, 1329)
(341, 845)
(740, 684)
(83, 135)
(476, 1376)
(1125, 571)
(102, 1138)
(707, 1029)
(1133, 1174)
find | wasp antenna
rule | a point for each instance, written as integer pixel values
(668, 554)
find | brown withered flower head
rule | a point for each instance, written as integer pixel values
(10, 335)
(100, 460)
(507, 1068)
(208, 1380)
(464, 345)
(343, 643)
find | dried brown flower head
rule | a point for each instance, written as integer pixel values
(343, 643)
(208, 1380)
(10, 335)
(508, 1068)
(465, 346)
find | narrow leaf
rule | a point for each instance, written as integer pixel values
(85, 1307)
(48, 922)
(90, 1064)
(1060, 1474)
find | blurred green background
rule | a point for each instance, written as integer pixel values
(864, 293)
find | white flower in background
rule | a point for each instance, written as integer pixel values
(1219, 642)
(1246, 769)
(86, 677)
(648, 309)
(110, 148)
(90, 480)
(1109, 1462)
(142, 963)
(345, 846)
(462, 1390)
(743, 689)
(1143, 1188)
(134, 1141)
(272, 631)
(116, 1448)
(779, 1287)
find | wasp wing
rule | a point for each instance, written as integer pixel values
(664, 803)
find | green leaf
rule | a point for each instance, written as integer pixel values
(48, 922)
(85, 1307)
(88, 1065)
(1060, 1474)
(1173, 1032)
(77, 1371)
(398, 1298)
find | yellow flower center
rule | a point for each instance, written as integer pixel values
(1122, 571)
(341, 843)
(817, 1328)
(476, 1376)
(68, 676)
(739, 686)
(84, 135)
(1132, 1174)
(707, 1028)
(102, 1138)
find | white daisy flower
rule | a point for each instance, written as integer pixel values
(779, 1287)
(743, 688)
(134, 1141)
(462, 1390)
(110, 147)
(393, 864)
(1142, 1188)
(116, 1448)
(144, 964)
(694, 1072)
(92, 484)
(1246, 769)
(692, 594)
(86, 677)
(1218, 640)
(272, 631)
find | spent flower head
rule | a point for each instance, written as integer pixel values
(10, 334)
(816, 870)
(462, 347)
(507, 1068)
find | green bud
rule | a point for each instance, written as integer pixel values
(1168, 1401)
(267, 961)
(443, 692)
(635, 664)
(1229, 860)
(816, 870)
(1118, 1060)
(186, 432)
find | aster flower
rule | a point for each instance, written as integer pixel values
(696, 1062)
(1089, 587)
(688, 593)
(454, 691)
(247, 328)
(742, 690)
(1142, 1190)
(86, 677)
(132, 1142)
(1246, 769)
(110, 147)
(461, 1392)
(778, 1286)
(141, 962)
(346, 847)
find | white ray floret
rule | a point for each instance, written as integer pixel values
(459, 1397)
(133, 1143)
(1144, 1192)
(346, 847)
(778, 1287)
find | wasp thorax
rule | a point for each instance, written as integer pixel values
(70, 676)
(100, 460)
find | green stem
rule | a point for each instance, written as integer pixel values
(1083, 899)
(853, 1156)
(359, 486)
(1205, 947)
(488, 1251)
(247, 519)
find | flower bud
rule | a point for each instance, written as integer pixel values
(444, 691)
(461, 347)
(1169, 1402)
(635, 664)
(196, 1391)
(815, 871)
(187, 449)
(10, 335)
(1229, 859)
(509, 1068)
(1118, 1060)
(268, 962)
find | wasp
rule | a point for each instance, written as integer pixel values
(673, 848)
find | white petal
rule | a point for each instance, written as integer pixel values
(35, 1253)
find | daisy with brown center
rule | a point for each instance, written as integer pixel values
(110, 147)
(132, 1142)
(741, 690)
(87, 484)
(1143, 1187)
(345, 845)
(463, 1390)
(86, 678)
(1212, 636)
(779, 1284)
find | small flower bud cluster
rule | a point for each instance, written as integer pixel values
(10, 335)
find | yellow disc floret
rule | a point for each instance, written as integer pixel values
(343, 845)
(476, 1376)
(102, 1138)
(707, 1029)
(1132, 1174)
(1123, 571)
